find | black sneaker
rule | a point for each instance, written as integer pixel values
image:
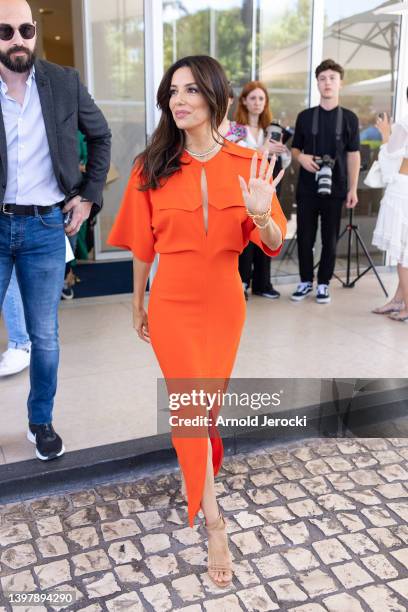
(48, 443)
(245, 288)
(272, 294)
(322, 294)
(67, 292)
(302, 291)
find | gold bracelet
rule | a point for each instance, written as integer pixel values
(261, 216)
(261, 226)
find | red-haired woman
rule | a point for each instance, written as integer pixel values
(189, 199)
(253, 113)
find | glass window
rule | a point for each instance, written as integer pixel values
(366, 45)
(116, 77)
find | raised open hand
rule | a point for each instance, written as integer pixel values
(259, 191)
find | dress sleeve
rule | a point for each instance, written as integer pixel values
(132, 229)
(280, 219)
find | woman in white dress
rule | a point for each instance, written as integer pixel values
(391, 231)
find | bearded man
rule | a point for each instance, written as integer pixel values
(43, 195)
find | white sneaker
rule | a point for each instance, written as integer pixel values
(14, 361)
(322, 294)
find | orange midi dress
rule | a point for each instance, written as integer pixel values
(196, 308)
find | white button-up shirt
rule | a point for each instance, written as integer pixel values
(30, 175)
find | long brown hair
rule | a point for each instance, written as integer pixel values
(241, 114)
(161, 158)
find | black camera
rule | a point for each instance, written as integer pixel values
(275, 131)
(324, 175)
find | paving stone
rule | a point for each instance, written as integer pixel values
(367, 498)
(256, 599)
(19, 556)
(392, 491)
(21, 581)
(49, 506)
(271, 566)
(108, 492)
(150, 520)
(352, 522)
(374, 444)
(276, 514)
(158, 597)
(380, 598)
(108, 512)
(348, 447)
(334, 501)
(232, 502)
(247, 520)
(127, 601)
(316, 485)
(301, 559)
(157, 501)
(286, 591)
(235, 466)
(83, 498)
(325, 449)
(303, 454)
(293, 472)
(229, 603)
(261, 497)
(401, 555)
(306, 507)
(49, 525)
(52, 546)
(165, 565)
(119, 529)
(393, 472)
(388, 456)
(130, 506)
(172, 516)
(331, 551)
(308, 608)
(272, 536)
(247, 542)
(84, 537)
(124, 552)
(281, 457)
(260, 461)
(91, 561)
(380, 566)
(351, 575)
(338, 464)
(13, 534)
(130, 574)
(297, 533)
(378, 516)
(359, 543)
(343, 602)
(340, 482)
(400, 586)
(367, 478)
(51, 574)
(317, 583)
(245, 573)
(401, 509)
(157, 542)
(401, 531)
(364, 461)
(383, 537)
(317, 467)
(187, 536)
(329, 526)
(192, 608)
(101, 585)
(290, 490)
(86, 516)
(188, 588)
(135, 489)
(266, 478)
(195, 555)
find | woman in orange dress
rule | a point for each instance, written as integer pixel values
(197, 200)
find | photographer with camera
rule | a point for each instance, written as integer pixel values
(326, 144)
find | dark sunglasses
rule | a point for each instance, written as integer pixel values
(27, 31)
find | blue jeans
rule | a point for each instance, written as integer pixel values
(13, 316)
(36, 247)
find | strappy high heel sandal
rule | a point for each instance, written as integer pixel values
(220, 561)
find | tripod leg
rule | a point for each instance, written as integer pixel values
(367, 254)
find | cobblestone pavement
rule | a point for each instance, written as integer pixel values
(314, 526)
